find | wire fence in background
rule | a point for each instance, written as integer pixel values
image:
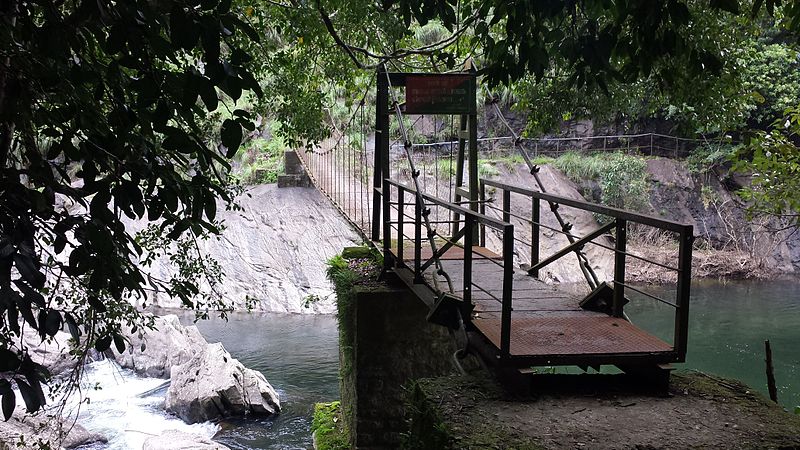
(649, 144)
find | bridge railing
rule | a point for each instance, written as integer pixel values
(619, 223)
(406, 197)
(341, 168)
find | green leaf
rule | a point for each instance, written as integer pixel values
(183, 32)
(52, 322)
(9, 360)
(9, 403)
(29, 395)
(72, 326)
(732, 6)
(97, 304)
(209, 95)
(119, 343)
(24, 306)
(231, 136)
(103, 344)
(27, 268)
(211, 207)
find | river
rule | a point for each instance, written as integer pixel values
(728, 323)
(298, 354)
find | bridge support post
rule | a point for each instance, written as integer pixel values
(619, 267)
(381, 157)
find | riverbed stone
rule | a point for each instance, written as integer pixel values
(178, 440)
(78, 436)
(213, 384)
(45, 428)
(168, 345)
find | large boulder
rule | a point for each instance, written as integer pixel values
(52, 352)
(168, 345)
(42, 430)
(178, 440)
(272, 252)
(213, 384)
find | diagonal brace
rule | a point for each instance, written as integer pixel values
(439, 253)
(574, 247)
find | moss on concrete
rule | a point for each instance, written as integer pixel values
(444, 414)
(328, 427)
(358, 270)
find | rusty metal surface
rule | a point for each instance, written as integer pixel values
(453, 253)
(598, 334)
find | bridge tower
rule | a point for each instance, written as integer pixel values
(427, 93)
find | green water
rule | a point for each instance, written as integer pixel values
(728, 323)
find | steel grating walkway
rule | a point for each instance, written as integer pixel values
(548, 327)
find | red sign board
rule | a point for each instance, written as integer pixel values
(440, 94)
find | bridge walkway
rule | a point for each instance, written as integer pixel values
(437, 246)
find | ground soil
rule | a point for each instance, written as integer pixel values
(700, 412)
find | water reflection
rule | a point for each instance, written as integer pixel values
(298, 354)
(728, 324)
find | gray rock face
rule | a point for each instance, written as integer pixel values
(168, 345)
(79, 436)
(274, 251)
(45, 426)
(178, 440)
(213, 384)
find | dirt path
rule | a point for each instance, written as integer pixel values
(701, 412)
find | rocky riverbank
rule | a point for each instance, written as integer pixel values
(205, 383)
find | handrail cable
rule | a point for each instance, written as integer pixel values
(583, 260)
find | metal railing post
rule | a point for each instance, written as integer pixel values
(506, 205)
(508, 279)
(469, 224)
(535, 218)
(381, 148)
(387, 228)
(401, 194)
(417, 239)
(619, 267)
(482, 210)
(683, 292)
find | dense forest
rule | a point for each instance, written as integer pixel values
(138, 109)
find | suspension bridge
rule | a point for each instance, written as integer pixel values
(470, 246)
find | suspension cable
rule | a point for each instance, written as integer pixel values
(583, 260)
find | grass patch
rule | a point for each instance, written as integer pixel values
(622, 178)
(579, 167)
(328, 427)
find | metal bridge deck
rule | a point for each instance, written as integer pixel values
(548, 327)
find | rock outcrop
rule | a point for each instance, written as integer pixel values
(178, 440)
(168, 345)
(213, 384)
(43, 429)
(274, 250)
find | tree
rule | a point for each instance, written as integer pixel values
(102, 108)
(773, 159)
